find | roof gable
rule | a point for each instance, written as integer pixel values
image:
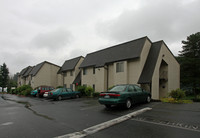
(28, 71)
(22, 73)
(36, 69)
(149, 67)
(124, 51)
(70, 64)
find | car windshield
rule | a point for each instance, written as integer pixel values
(55, 90)
(118, 88)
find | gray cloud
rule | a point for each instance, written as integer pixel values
(53, 40)
(166, 20)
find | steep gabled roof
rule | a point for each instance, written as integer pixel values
(35, 69)
(23, 71)
(70, 64)
(28, 71)
(124, 51)
(149, 67)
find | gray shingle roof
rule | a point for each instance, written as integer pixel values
(124, 51)
(149, 67)
(28, 71)
(69, 64)
(36, 68)
(23, 71)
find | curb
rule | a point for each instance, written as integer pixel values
(94, 129)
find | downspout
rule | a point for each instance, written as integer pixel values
(107, 77)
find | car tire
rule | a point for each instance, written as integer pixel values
(59, 98)
(77, 96)
(148, 100)
(128, 103)
(108, 106)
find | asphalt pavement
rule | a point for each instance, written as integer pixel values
(39, 117)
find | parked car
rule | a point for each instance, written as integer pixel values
(60, 93)
(42, 89)
(34, 92)
(46, 94)
(126, 95)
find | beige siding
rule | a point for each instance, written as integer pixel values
(68, 80)
(173, 74)
(47, 75)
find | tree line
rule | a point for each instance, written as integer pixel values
(6, 81)
(189, 60)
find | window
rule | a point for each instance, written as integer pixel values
(120, 67)
(84, 71)
(131, 88)
(93, 70)
(69, 90)
(138, 89)
(71, 86)
(71, 73)
(65, 74)
(93, 86)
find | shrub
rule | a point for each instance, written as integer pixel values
(23, 90)
(177, 94)
(96, 94)
(59, 87)
(82, 89)
(88, 90)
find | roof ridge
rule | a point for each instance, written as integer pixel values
(120, 44)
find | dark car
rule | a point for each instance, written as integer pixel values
(125, 95)
(60, 93)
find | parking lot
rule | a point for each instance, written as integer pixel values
(39, 117)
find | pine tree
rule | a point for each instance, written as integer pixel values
(4, 76)
(190, 61)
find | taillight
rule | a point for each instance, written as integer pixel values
(51, 93)
(102, 94)
(114, 95)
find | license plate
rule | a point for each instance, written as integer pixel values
(107, 96)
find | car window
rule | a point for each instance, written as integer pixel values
(138, 89)
(131, 88)
(118, 88)
(69, 90)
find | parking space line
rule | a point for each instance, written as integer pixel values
(179, 125)
(94, 129)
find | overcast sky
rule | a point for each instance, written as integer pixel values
(33, 31)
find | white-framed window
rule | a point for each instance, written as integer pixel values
(120, 67)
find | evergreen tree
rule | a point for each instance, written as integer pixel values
(4, 76)
(189, 59)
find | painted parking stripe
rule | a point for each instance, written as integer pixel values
(6, 124)
(94, 129)
(169, 124)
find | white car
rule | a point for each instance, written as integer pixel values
(46, 94)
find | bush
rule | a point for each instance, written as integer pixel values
(88, 91)
(96, 94)
(82, 89)
(177, 94)
(23, 90)
(59, 87)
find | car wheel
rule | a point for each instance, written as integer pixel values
(108, 105)
(148, 99)
(59, 98)
(128, 103)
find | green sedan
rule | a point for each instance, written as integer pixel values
(61, 93)
(124, 95)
